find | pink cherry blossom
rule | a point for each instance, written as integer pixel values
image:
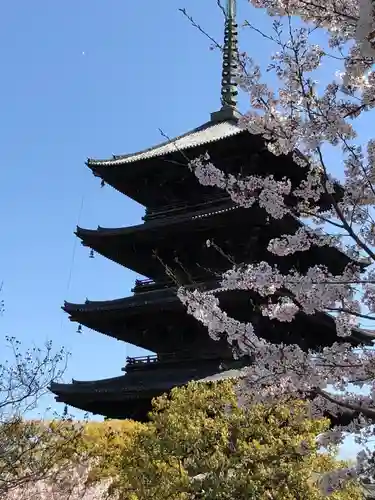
(302, 118)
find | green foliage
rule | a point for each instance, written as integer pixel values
(105, 443)
(200, 445)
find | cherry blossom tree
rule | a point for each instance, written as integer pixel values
(35, 455)
(308, 120)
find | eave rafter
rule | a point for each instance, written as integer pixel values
(115, 313)
(135, 247)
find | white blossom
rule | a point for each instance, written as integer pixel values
(304, 119)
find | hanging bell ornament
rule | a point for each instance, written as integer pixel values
(91, 254)
(79, 329)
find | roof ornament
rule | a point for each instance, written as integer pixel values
(230, 67)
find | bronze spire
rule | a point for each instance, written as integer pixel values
(230, 67)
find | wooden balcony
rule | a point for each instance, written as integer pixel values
(165, 360)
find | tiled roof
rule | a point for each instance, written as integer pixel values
(227, 374)
(209, 132)
(184, 217)
(167, 293)
(162, 379)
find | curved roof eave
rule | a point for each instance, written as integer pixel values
(205, 134)
(113, 305)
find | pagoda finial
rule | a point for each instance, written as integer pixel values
(230, 67)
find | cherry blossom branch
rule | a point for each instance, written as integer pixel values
(368, 412)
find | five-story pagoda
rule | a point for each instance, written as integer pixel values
(181, 215)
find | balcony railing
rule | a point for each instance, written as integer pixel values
(141, 360)
(145, 282)
(149, 284)
(133, 362)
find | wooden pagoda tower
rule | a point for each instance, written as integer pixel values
(181, 215)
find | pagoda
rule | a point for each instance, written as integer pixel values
(170, 249)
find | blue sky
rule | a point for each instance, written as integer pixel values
(89, 78)
(86, 78)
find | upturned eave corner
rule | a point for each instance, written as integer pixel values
(69, 308)
(82, 232)
(94, 167)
